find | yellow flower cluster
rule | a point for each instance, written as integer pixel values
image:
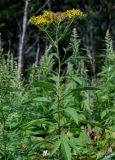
(60, 16)
(49, 17)
(74, 13)
(48, 14)
(38, 20)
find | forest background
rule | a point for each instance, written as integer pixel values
(100, 18)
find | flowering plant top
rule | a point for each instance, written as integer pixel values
(49, 17)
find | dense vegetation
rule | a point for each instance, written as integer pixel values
(57, 94)
(58, 115)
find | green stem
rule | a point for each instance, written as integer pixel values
(58, 88)
(56, 45)
(48, 35)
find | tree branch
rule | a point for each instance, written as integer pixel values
(30, 48)
(21, 41)
(37, 52)
(42, 7)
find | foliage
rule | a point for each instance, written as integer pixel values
(12, 109)
(58, 114)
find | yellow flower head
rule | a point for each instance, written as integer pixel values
(54, 17)
(60, 16)
(49, 17)
(73, 13)
(39, 20)
(48, 14)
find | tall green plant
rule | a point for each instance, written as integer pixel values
(57, 114)
(104, 100)
(66, 89)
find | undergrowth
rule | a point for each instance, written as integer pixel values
(58, 114)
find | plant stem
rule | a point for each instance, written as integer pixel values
(58, 87)
(56, 45)
(48, 35)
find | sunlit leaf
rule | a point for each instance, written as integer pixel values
(33, 122)
(56, 147)
(72, 112)
(100, 155)
(65, 148)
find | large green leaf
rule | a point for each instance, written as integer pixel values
(72, 143)
(100, 155)
(56, 147)
(65, 148)
(33, 122)
(72, 112)
(77, 79)
(85, 88)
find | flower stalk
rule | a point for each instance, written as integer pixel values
(57, 20)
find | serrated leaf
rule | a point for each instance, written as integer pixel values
(56, 147)
(54, 78)
(49, 58)
(72, 112)
(65, 148)
(100, 155)
(72, 143)
(32, 123)
(41, 99)
(77, 79)
(81, 117)
(103, 114)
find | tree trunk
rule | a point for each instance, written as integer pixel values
(37, 52)
(22, 38)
